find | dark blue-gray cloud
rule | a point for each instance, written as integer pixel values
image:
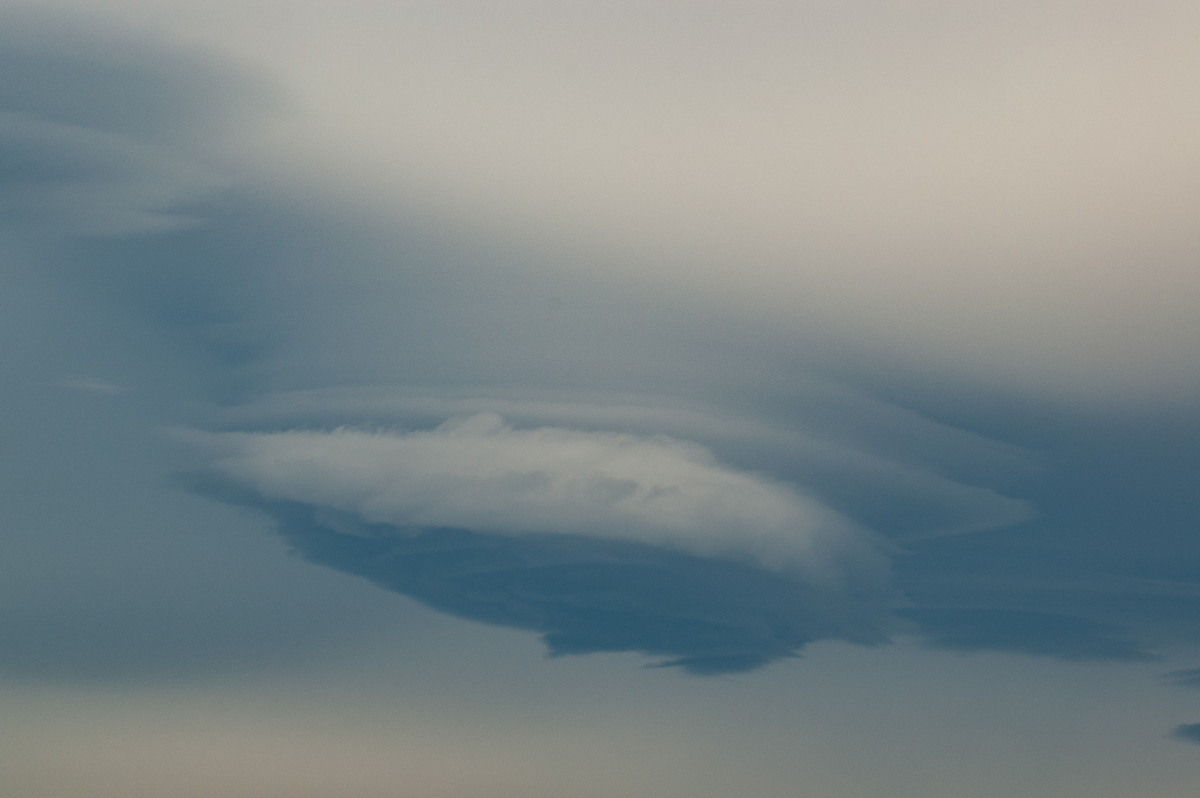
(1071, 581)
(107, 177)
(59, 179)
(105, 136)
(93, 78)
(585, 595)
(1113, 542)
(1189, 732)
(1022, 632)
(1185, 678)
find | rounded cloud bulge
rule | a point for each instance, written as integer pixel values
(600, 541)
(481, 474)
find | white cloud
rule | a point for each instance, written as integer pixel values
(945, 477)
(481, 474)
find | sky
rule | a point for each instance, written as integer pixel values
(467, 399)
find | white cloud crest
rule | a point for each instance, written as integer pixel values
(481, 474)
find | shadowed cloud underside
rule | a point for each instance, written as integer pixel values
(588, 595)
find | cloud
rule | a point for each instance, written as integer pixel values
(599, 541)
(1004, 195)
(1184, 678)
(901, 475)
(95, 385)
(71, 180)
(482, 474)
(1043, 634)
(707, 615)
(1189, 732)
(88, 73)
(665, 401)
(103, 134)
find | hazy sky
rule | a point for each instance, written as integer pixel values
(571, 400)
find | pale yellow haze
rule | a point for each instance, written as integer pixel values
(1006, 191)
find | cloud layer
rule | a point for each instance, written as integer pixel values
(481, 474)
(600, 541)
(587, 594)
(672, 389)
(1003, 194)
(62, 179)
(753, 322)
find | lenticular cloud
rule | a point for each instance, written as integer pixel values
(480, 474)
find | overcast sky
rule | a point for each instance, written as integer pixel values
(566, 399)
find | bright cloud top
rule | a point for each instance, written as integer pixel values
(481, 474)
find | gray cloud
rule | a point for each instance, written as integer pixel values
(104, 140)
(481, 474)
(102, 134)
(1189, 732)
(1011, 523)
(97, 77)
(1184, 678)
(905, 476)
(989, 194)
(1023, 632)
(588, 595)
(95, 385)
(63, 179)
(822, 280)
(952, 485)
